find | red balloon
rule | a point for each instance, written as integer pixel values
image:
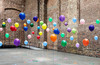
(85, 42)
(38, 37)
(15, 29)
(33, 32)
(12, 28)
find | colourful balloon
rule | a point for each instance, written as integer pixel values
(47, 29)
(71, 38)
(56, 31)
(41, 22)
(25, 42)
(50, 19)
(53, 28)
(16, 42)
(7, 35)
(1, 29)
(85, 42)
(82, 21)
(25, 28)
(22, 16)
(31, 24)
(9, 20)
(62, 18)
(69, 30)
(74, 30)
(74, 20)
(40, 33)
(66, 23)
(15, 29)
(91, 27)
(12, 28)
(77, 45)
(45, 43)
(35, 18)
(62, 35)
(28, 21)
(29, 36)
(16, 25)
(97, 21)
(0, 43)
(38, 27)
(96, 37)
(53, 37)
(3, 25)
(63, 43)
(33, 32)
(54, 24)
(38, 37)
(44, 26)
(25, 24)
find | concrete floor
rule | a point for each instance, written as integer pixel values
(20, 56)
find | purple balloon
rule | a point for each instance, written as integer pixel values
(16, 42)
(77, 45)
(62, 18)
(66, 23)
(69, 30)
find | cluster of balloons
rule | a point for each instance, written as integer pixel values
(3, 24)
(13, 28)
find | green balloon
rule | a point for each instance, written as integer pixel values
(63, 43)
(50, 19)
(74, 31)
(3, 25)
(6, 35)
(41, 23)
(62, 35)
(97, 21)
(31, 24)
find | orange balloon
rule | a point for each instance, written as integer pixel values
(24, 24)
(85, 42)
(53, 37)
(37, 20)
(53, 28)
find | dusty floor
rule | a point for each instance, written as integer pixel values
(21, 56)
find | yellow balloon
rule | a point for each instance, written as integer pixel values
(40, 33)
(16, 25)
(3, 23)
(44, 26)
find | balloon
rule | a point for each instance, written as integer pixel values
(82, 21)
(40, 33)
(16, 25)
(41, 22)
(3, 25)
(97, 21)
(12, 28)
(45, 43)
(62, 35)
(74, 20)
(47, 29)
(96, 37)
(66, 23)
(22, 16)
(31, 24)
(53, 37)
(16, 42)
(63, 43)
(25, 24)
(91, 27)
(77, 45)
(54, 24)
(25, 28)
(15, 29)
(1, 29)
(0, 43)
(71, 38)
(69, 30)
(28, 21)
(29, 36)
(38, 37)
(35, 18)
(38, 27)
(62, 18)
(74, 30)
(53, 28)
(6, 35)
(44, 26)
(50, 19)
(33, 32)
(85, 42)
(56, 31)
(25, 42)
(9, 20)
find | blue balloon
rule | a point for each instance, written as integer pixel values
(0, 43)
(22, 16)
(28, 21)
(25, 42)
(54, 24)
(35, 18)
(38, 27)
(71, 38)
(45, 43)
(56, 31)
(25, 28)
(96, 37)
(74, 20)
(91, 27)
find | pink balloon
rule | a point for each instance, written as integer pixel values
(82, 21)
(47, 29)
(1, 29)
(29, 36)
(9, 20)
